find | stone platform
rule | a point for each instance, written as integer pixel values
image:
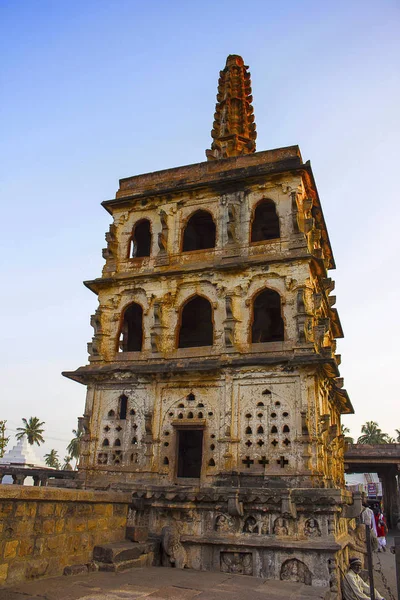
(160, 583)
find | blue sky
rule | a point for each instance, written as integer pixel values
(94, 91)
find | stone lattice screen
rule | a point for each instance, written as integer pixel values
(43, 530)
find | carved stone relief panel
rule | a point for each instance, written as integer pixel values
(296, 570)
(240, 563)
(224, 523)
(312, 528)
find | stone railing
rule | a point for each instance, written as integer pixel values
(40, 476)
(43, 530)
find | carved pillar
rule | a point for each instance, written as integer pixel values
(229, 324)
(44, 480)
(148, 438)
(156, 330)
(18, 479)
(391, 500)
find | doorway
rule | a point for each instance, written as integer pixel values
(190, 452)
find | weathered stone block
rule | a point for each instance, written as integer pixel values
(46, 509)
(26, 547)
(92, 524)
(117, 552)
(137, 534)
(3, 573)
(37, 568)
(59, 526)
(77, 525)
(56, 543)
(16, 572)
(39, 547)
(48, 526)
(120, 510)
(60, 510)
(102, 524)
(6, 508)
(75, 570)
(10, 549)
(99, 509)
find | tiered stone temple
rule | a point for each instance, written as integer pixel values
(214, 392)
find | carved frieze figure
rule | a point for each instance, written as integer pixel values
(174, 554)
(311, 528)
(163, 235)
(281, 526)
(251, 525)
(223, 524)
(295, 570)
(240, 563)
(265, 528)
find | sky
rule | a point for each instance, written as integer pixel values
(97, 90)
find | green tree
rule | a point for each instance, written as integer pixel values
(397, 436)
(67, 463)
(33, 431)
(73, 447)
(51, 459)
(347, 438)
(3, 439)
(372, 434)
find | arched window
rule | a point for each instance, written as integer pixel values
(131, 338)
(265, 223)
(267, 323)
(199, 232)
(196, 328)
(140, 243)
(122, 406)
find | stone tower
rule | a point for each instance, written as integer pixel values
(213, 385)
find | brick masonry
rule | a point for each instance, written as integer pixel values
(43, 530)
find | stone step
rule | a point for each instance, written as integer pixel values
(119, 552)
(145, 560)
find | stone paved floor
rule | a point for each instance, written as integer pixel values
(158, 583)
(385, 571)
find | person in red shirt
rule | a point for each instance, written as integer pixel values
(381, 530)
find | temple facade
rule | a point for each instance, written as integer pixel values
(214, 392)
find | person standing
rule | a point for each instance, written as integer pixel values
(355, 588)
(368, 517)
(381, 530)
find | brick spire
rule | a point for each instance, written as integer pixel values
(234, 130)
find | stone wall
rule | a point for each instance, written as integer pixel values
(43, 530)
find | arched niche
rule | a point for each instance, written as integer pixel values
(265, 222)
(131, 335)
(199, 233)
(267, 322)
(122, 406)
(196, 323)
(140, 242)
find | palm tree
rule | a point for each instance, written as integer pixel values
(33, 431)
(347, 438)
(67, 463)
(398, 436)
(372, 434)
(3, 439)
(73, 447)
(51, 459)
